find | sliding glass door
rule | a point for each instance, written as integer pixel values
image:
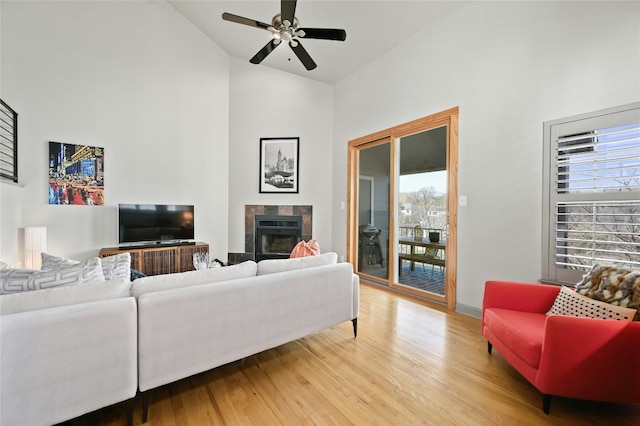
(402, 209)
(422, 211)
(373, 224)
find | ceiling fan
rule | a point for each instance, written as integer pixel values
(286, 27)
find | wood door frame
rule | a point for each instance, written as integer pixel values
(392, 135)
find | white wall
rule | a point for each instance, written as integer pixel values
(181, 123)
(269, 103)
(133, 77)
(509, 66)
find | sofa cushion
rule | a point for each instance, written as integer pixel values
(522, 332)
(186, 279)
(64, 296)
(272, 266)
(613, 284)
(113, 267)
(18, 280)
(570, 303)
(303, 249)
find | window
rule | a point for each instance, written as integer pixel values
(8, 143)
(591, 192)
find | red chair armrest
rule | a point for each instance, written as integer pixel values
(591, 359)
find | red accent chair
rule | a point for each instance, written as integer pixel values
(575, 357)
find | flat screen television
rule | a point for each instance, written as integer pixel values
(155, 223)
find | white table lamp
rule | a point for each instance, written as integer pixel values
(35, 242)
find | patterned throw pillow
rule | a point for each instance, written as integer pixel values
(570, 303)
(113, 267)
(613, 284)
(63, 296)
(51, 262)
(17, 280)
(117, 266)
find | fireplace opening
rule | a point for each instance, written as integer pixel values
(276, 236)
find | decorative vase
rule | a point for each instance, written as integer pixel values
(418, 233)
(434, 237)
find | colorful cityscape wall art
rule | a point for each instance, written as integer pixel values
(76, 174)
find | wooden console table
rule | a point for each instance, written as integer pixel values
(160, 260)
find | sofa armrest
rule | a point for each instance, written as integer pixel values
(356, 296)
(590, 358)
(62, 362)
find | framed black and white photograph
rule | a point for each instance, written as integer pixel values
(279, 165)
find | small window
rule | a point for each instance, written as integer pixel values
(8, 143)
(591, 193)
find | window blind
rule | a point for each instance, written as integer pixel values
(588, 233)
(8, 142)
(600, 160)
(593, 170)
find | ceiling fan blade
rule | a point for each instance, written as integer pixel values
(244, 21)
(264, 52)
(304, 57)
(325, 33)
(288, 10)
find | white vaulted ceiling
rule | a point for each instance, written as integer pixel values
(373, 28)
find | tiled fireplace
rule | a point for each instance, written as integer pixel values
(276, 236)
(251, 211)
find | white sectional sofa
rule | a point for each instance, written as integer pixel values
(235, 312)
(70, 350)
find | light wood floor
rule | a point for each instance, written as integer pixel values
(412, 363)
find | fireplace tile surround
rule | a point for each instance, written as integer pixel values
(250, 212)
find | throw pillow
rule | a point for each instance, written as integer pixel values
(18, 280)
(303, 249)
(272, 266)
(63, 296)
(51, 262)
(613, 284)
(190, 278)
(113, 267)
(117, 266)
(570, 303)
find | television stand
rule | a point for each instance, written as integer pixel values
(163, 258)
(156, 244)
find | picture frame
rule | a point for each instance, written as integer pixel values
(76, 174)
(279, 158)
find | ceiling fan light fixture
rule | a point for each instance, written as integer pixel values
(288, 30)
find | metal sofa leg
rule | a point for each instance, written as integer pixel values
(129, 406)
(546, 403)
(489, 346)
(146, 397)
(355, 327)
